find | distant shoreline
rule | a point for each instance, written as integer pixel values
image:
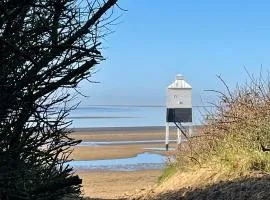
(130, 129)
(135, 128)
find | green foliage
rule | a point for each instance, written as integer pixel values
(169, 171)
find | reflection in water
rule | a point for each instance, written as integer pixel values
(140, 162)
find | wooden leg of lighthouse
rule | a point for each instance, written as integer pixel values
(167, 136)
(178, 136)
(190, 130)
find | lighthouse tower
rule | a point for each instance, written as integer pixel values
(178, 105)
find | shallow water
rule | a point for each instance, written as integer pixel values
(159, 148)
(96, 143)
(124, 116)
(140, 162)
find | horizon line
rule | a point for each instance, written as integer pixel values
(134, 105)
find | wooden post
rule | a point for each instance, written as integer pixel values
(179, 139)
(167, 136)
(190, 130)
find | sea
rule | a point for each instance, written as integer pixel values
(113, 116)
(94, 116)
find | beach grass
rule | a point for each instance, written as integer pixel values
(167, 172)
(236, 138)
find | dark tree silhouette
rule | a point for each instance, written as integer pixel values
(46, 48)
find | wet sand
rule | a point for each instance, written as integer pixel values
(117, 134)
(110, 152)
(122, 134)
(109, 184)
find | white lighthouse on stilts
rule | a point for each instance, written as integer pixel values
(179, 107)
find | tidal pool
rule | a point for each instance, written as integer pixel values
(140, 162)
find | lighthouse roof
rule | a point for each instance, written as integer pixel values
(179, 83)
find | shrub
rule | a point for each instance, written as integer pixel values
(237, 136)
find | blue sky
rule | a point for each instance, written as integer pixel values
(157, 39)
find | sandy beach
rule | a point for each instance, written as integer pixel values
(112, 151)
(117, 134)
(110, 184)
(122, 133)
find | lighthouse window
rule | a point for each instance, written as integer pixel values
(175, 96)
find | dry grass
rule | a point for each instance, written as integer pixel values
(206, 183)
(233, 140)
